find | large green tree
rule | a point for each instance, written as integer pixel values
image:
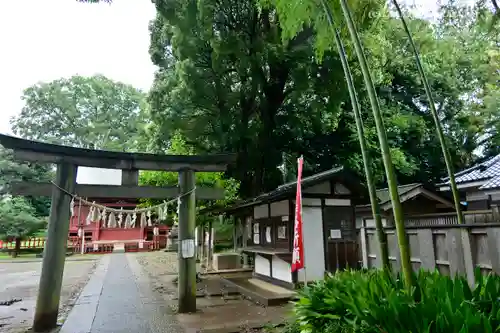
(229, 83)
(89, 112)
(178, 146)
(18, 220)
(12, 170)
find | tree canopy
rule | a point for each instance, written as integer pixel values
(18, 219)
(177, 145)
(12, 170)
(89, 112)
(253, 78)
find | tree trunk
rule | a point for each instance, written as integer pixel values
(372, 191)
(406, 266)
(435, 116)
(17, 247)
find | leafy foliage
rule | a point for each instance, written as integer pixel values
(89, 112)
(12, 170)
(229, 84)
(374, 301)
(241, 76)
(18, 219)
(178, 146)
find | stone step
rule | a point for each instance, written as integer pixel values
(119, 248)
(260, 291)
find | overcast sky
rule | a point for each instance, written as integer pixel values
(49, 39)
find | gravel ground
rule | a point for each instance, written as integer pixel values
(19, 281)
(162, 270)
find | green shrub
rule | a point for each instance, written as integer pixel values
(373, 301)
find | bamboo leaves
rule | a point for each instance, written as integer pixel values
(435, 116)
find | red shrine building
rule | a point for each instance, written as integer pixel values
(98, 235)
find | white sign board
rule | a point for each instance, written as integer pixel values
(187, 248)
(98, 176)
(335, 234)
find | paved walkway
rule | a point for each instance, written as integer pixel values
(118, 298)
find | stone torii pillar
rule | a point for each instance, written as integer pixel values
(47, 303)
(186, 250)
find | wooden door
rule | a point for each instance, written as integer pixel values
(340, 238)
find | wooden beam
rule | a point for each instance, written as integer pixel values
(115, 163)
(115, 191)
(33, 151)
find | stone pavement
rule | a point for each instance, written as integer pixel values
(119, 298)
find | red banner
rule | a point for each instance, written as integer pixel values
(298, 243)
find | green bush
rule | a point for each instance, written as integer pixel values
(373, 301)
(223, 246)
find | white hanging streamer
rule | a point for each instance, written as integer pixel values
(144, 220)
(128, 221)
(134, 219)
(120, 218)
(137, 210)
(103, 217)
(112, 220)
(99, 212)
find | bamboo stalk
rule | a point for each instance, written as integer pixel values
(386, 157)
(372, 191)
(435, 116)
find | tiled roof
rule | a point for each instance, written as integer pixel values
(384, 196)
(283, 190)
(491, 184)
(488, 171)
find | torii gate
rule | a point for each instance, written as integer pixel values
(67, 160)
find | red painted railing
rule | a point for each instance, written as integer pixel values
(74, 245)
(30, 243)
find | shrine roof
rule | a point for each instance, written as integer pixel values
(289, 189)
(483, 176)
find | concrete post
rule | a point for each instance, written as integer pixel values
(493, 235)
(196, 246)
(210, 246)
(467, 253)
(187, 248)
(364, 245)
(235, 233)
(47, 305)
(202, 247)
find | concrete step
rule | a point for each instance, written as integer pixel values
(260, 291)
(119, 248)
